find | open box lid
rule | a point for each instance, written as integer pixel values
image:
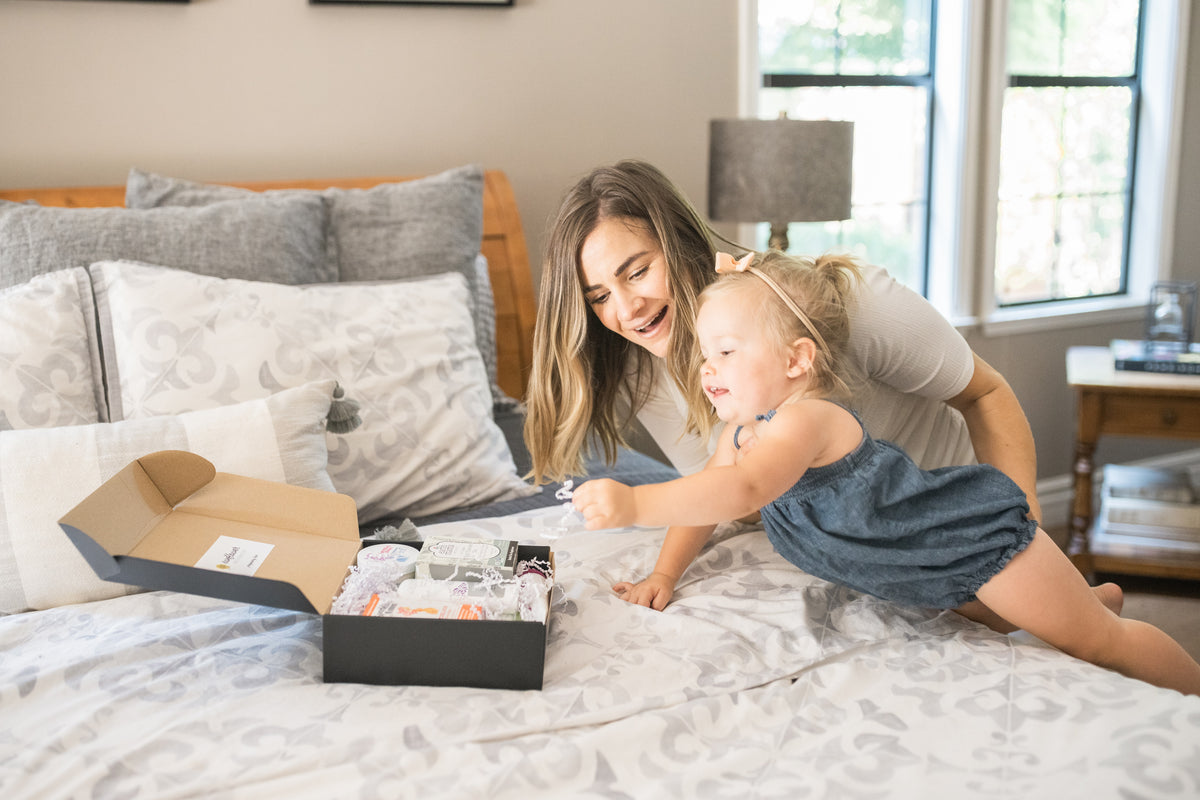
(155, 520)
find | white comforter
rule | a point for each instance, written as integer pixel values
(757, 681)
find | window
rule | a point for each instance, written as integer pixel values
(1013, 159)
(1066, 154)
(871, 62)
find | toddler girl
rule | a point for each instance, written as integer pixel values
(850, 509)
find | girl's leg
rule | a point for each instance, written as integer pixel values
(1041, 591)
(978, 612)
(1107, 593)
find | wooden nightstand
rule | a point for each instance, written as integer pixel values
(1126, 403)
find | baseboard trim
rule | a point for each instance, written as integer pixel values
(1056, 493)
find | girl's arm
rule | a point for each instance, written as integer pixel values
(728, 488)
(679, 550)
(711, 496)
(680, 547)
(796, 438)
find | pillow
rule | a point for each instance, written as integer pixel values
(405, 351)
(390, 231)
(266, 238)
(45, 472)
(49, 357)
(483, 313)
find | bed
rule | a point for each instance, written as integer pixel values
(757, 681)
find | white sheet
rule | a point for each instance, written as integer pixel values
(757, 681)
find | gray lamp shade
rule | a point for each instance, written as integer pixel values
(779, 170)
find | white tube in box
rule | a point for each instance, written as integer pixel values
(381, 606)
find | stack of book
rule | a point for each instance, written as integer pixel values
(1138, 355)
(1148, 507)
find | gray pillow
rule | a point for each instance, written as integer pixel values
(389, 232)
(278, 239)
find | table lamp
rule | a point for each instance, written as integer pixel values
(779, 171)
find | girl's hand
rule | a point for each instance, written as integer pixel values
(605, 503)
(654, 592)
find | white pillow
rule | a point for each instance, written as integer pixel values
(49, 360)
(391, 231)
(405, 351)
(45, 472)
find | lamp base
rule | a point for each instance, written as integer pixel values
(779, 237)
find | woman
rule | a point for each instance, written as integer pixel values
(627, 257)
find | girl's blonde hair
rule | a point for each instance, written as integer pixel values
(823, 288)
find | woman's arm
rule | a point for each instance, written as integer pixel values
(901, 341)
(999, 431)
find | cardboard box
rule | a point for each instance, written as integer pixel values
(287, 547)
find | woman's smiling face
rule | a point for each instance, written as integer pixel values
(624, 277)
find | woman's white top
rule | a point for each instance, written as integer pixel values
(912, 358)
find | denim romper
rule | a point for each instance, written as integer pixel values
(876, 522)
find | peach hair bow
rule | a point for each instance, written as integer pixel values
(726, 263)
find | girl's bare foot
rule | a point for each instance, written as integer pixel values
(1111, 596)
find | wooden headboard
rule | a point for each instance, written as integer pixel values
(503, 245)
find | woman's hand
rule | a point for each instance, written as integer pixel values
(654, 592)
(605, 503)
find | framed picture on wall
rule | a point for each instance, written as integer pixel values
(412, 2)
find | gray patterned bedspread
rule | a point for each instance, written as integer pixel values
(758, 681)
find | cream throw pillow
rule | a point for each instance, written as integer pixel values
(45, 472)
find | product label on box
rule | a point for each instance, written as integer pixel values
(465, 559)
(238, 556)
(465, 551)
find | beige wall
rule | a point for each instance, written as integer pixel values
(257, 89)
